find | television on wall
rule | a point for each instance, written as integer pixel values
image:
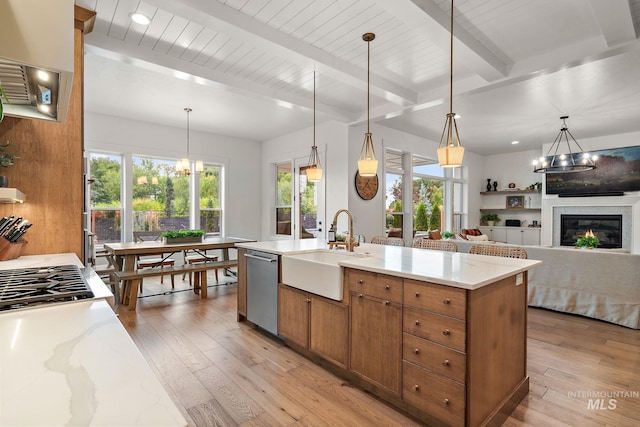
(617, 171)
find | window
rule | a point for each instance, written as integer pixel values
(428, 194)
(284, 187)
(105, 198)
(393, 195)
(160, 197)
(211, 200)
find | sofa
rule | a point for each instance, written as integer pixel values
(600, 283)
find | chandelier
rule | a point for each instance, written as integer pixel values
(367, 163)
(578, 161)
(183, 166)
(314, 168)
(450, 152)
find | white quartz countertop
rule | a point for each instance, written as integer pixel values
(75, 364)
(456, 269)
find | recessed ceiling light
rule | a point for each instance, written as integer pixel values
(139, 18)
(515, 142)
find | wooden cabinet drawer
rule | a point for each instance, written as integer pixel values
(436, 358)
(374, 284)
(440, 397)
(435, 327)
(437, 298)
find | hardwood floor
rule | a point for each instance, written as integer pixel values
(224, 373)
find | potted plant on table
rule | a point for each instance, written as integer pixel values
(182, 236)
(490, 219)
(447, 235)
(588, 241)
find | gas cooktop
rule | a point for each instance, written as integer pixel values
(27, 287)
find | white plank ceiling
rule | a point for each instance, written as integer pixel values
(246, 66)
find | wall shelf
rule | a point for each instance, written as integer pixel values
(510, 210)
(514, 192)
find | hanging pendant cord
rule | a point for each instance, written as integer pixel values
(188, 110)
(451, 65)
(368, 83)
(314, 107)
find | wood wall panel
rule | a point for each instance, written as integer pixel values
(50, 172)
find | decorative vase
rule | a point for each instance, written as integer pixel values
(495, 185)
(491, 223)
(3, 181)
(488, 184)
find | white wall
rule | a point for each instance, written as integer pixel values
(331, 139)
(240, 157)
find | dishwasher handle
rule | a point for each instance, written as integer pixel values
(261, 258)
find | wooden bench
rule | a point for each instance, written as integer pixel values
(131, 279)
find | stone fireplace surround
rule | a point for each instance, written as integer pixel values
(628, 206)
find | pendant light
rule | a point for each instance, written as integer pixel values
(450, 152)
(183, 166)
(367, 163)
(314, 168)
(562, 163)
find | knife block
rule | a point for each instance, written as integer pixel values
(11, 250)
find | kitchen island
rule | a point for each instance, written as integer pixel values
(440, 335)
(73, 363)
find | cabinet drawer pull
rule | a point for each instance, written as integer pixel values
(416, 387)
(416, 351)
(386, 302)
(445, 362)
(387, 287)
(446, 402)
(446, 301)
(417, 294)
(307, 300)
(446, 332)
(417, 322)
(361, 281)
(359, 295)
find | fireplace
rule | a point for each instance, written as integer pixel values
(607, 228)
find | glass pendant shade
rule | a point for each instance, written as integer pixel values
(183, 166)
(450, 152)
(199, 166)
(578, 161)
(314, 174)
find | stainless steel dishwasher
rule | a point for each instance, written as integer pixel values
(262, 290)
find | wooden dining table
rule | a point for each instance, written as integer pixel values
(126, 253)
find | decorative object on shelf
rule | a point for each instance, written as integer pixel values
(535, 187)
(314, 167)
(366, 186)
(488, 184)
(367, 163)
(512, 185)
(447, 235)
(450, 151)
(588, 241)
(579, 161)
(182, 236)
(490, 219)
(527, 203)
(495, 185)
(183, 166)
(6, 160)
(515, 202)
(535, 223)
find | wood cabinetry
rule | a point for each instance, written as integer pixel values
(376, 328)
(513, 235)
(315, 323)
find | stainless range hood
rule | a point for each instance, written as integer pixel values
(36, 57)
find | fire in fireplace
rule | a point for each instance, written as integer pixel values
(607, 228)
